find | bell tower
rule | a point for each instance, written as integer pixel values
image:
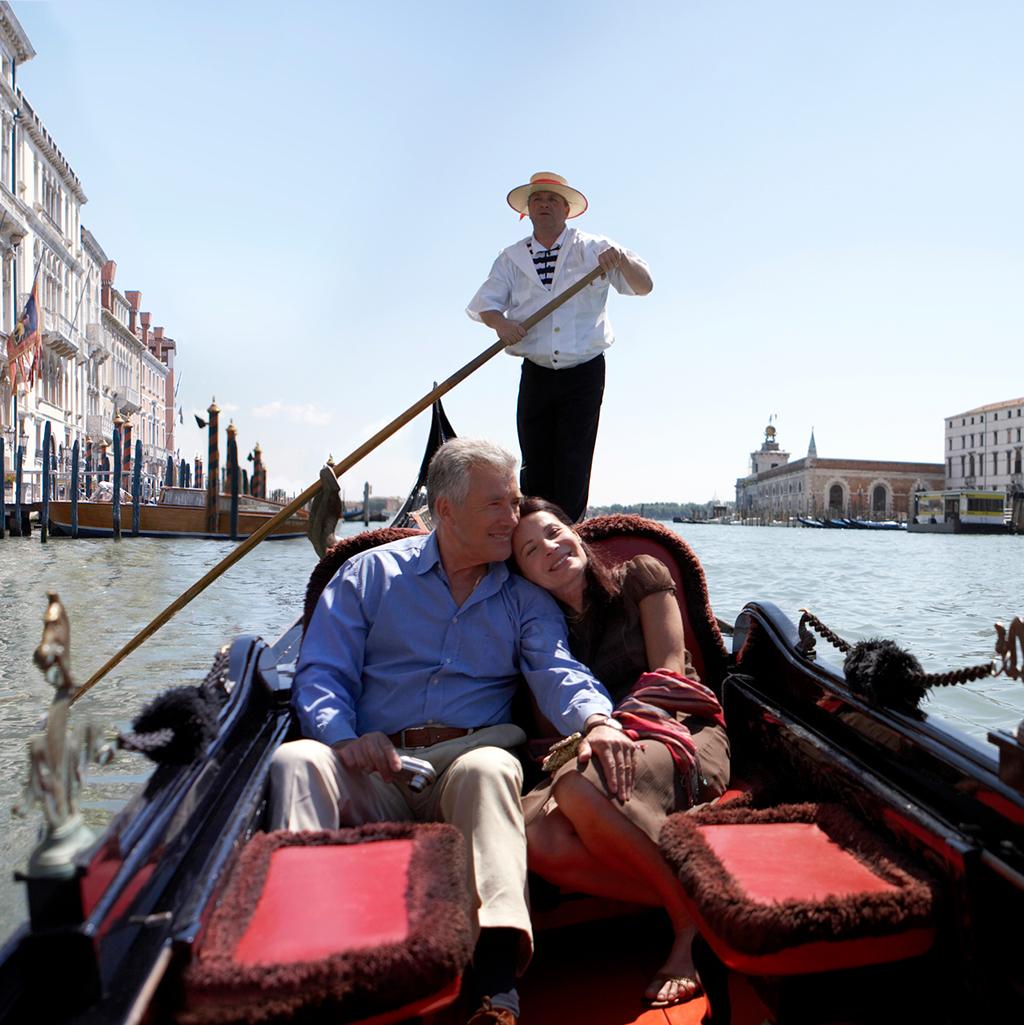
(769, 455)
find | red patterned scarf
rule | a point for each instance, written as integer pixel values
(648, 712)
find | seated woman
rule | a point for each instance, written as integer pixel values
(583, 834)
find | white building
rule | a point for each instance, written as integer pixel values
(98, 359)
(984, 447)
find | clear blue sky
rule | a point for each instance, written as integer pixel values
(307, 194)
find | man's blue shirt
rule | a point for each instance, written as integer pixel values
(388, 649)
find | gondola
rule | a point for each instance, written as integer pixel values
(866, 865)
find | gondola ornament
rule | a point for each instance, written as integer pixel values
(56, 759)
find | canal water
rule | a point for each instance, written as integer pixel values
(938, 595)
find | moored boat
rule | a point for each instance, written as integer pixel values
(894, 842)
(178, 512)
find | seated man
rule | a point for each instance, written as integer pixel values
(417, 647)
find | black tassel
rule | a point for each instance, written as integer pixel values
(885, 674)
(176, 727)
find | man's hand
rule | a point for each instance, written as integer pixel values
(509, 331)
(372, 752)
(616, 754)
(610, 258)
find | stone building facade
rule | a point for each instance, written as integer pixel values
(98, 359)
(985, 446)
(777, 489)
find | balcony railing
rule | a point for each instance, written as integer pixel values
(99, 427)
(60, 336)
(127, 400)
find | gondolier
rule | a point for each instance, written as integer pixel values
(562, 382)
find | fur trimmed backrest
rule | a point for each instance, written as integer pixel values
(339, 553)
(618, 538)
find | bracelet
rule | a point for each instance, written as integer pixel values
(608, 720)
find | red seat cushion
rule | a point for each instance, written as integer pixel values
(797, 889)
(368, 924)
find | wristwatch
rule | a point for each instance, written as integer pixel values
(609, 721)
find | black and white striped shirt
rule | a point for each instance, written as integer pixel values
(544, 260)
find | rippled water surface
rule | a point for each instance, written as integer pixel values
(938, 595)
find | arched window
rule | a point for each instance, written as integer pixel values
(835, 499)
(878, 500)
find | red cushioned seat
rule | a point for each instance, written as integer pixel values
(367, 925)
(797, 889)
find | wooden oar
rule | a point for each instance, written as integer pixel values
(346, 464)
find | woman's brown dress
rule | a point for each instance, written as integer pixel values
(611, 643)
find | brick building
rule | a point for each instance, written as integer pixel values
(777, 489)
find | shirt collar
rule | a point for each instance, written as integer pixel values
(430, 557)
(532, 239)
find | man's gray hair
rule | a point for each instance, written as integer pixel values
(448, 475)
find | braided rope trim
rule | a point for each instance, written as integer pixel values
(948, 679)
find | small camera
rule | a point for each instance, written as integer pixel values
(416, 774)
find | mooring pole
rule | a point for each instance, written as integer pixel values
(19, 459)
(44, 516)
(213, 470)
(115, 499)
(233, 477)
(74, 490)
(136, 487)
(3, 490)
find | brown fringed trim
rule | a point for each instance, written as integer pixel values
(755, 928)
(348, 986)
(339, 553)
(698, 604)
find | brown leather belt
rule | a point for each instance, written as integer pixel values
(427, 736)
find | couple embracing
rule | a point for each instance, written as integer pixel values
(417, 647)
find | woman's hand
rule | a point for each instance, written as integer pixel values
(616, 753)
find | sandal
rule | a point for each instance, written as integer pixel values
(681, 988)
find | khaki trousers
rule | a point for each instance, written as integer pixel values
(477, 791)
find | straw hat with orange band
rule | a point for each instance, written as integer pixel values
(547, 181)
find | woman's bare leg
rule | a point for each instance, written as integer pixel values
(613, 845)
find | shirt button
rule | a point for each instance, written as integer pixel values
(556, 352)
(558, 329)
(448, 661)
(455, 619)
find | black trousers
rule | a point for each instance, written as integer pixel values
(557, 417)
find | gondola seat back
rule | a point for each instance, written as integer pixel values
(619, 538)
(341, 552)
(371, 923)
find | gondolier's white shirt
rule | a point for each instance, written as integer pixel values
(577, 331)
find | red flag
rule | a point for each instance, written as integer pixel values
(24, 340)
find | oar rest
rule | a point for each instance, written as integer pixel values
(798, 889)
(619, 538)
(356, 925)
(339, 553)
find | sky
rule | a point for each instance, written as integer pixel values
(829, 196)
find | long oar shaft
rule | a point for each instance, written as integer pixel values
(347, 463)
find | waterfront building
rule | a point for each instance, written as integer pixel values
(777, 489)
(984, 448)
(97, 358)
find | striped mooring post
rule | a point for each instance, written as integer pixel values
(115, 498)
(44, 514)
(213, 469)
(74, 489)
(233, 477)
(126, 455)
